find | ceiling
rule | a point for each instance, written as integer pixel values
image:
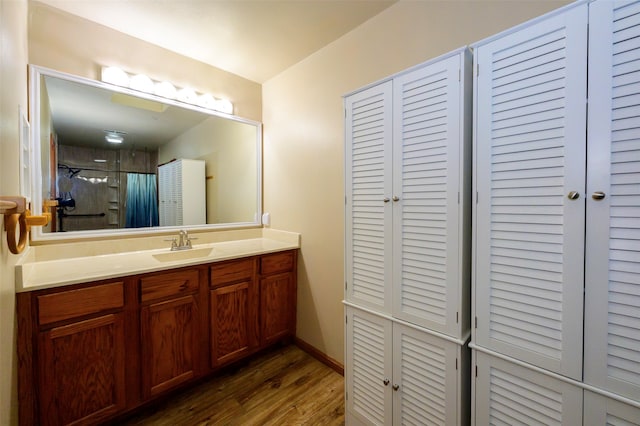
(256, 39)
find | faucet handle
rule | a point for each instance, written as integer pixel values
(174, 243)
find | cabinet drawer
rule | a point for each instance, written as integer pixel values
(168, 284)
(277, 262)
(76, 303)
(239, 270)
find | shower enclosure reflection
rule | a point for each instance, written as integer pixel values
(94, 188)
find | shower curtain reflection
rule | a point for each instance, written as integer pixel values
(142, 202)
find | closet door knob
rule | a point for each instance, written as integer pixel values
(386, 199)
(573, 195)
(396, 387)
(386, 382)
(395, 198)
(598, 195)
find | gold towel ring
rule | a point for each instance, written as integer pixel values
(11, 222)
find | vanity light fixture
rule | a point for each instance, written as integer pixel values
(142, 83)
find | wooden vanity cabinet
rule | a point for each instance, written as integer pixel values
(79, 351)
(170, 322)
(233, 309)
(88, 353)
(277, 296)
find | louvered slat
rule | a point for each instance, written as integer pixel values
(613, 230)
(368, 364)
(424, 370)
(530, 153)
(509, 394)
(426, 171)
(624, 285)
(601, 410)
(542, 286)
(368, 134)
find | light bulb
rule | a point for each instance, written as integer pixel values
(115, 75)
(142, 83)
(166, 90)
(207, 101)
(224, 105)
(187, 95)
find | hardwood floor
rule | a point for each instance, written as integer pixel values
(284, 386)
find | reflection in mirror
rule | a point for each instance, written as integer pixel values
(101, 148)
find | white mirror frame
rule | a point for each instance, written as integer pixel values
(37, 234)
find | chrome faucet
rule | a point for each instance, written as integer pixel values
(183, 242)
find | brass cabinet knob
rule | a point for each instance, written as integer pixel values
(573, 195)
(386, 382)
(396, 198)
(396, 387)
(598, 195)
(386, 199)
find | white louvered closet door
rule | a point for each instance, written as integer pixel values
(508, 394)
(530, 122)
(368, 369)
(178, 190)
(368, 188)
(600, 410)
(612, 298)
(424, 371)
(427, 175)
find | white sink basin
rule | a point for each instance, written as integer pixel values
(172, 256)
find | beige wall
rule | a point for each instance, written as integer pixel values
(229, 150)
(303, 136)
(13, 92)
(67, 43)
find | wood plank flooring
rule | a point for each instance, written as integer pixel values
(284, 386)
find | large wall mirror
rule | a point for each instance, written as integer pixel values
(120, 161)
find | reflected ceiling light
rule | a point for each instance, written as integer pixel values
(113, 137)
(142, 83)
(164, 89)
(115, 75)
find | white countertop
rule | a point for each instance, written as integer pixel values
(44, 270)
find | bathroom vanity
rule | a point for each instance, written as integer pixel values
(101, 335)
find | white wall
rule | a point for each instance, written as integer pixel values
(13, 92)
(303, 136)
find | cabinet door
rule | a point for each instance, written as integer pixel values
(424, 379)
(508, 394)
(277, 307)
(368, 192)
(428, 174)
(169, 334)
(530, 149)
(601, 410)
(233, 331)
(368, 369)
(612, 294)
(82, 371)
